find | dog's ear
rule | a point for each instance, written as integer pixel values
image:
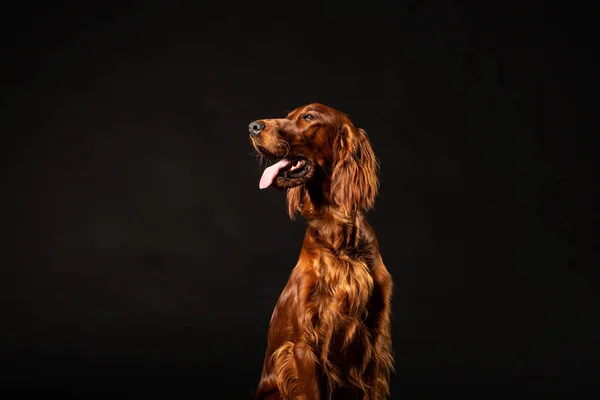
(354, 181)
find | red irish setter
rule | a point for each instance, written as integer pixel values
(329, 335)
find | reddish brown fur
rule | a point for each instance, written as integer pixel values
(329, 335)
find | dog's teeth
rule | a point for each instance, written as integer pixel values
(297, 165)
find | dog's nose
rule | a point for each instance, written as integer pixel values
(256, 127)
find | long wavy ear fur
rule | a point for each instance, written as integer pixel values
(354, 181)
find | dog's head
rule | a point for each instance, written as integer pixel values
(317, 146)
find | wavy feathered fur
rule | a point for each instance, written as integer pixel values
(330, 335)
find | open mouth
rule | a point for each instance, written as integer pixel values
(287, 168)
(297, 168)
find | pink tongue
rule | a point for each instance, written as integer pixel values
(270, 173)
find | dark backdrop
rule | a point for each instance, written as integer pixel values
(140, 254)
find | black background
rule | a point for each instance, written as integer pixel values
(141, 256)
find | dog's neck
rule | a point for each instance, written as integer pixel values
(337, 232)
(331, 228)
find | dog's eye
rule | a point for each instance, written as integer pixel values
(308, 117)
